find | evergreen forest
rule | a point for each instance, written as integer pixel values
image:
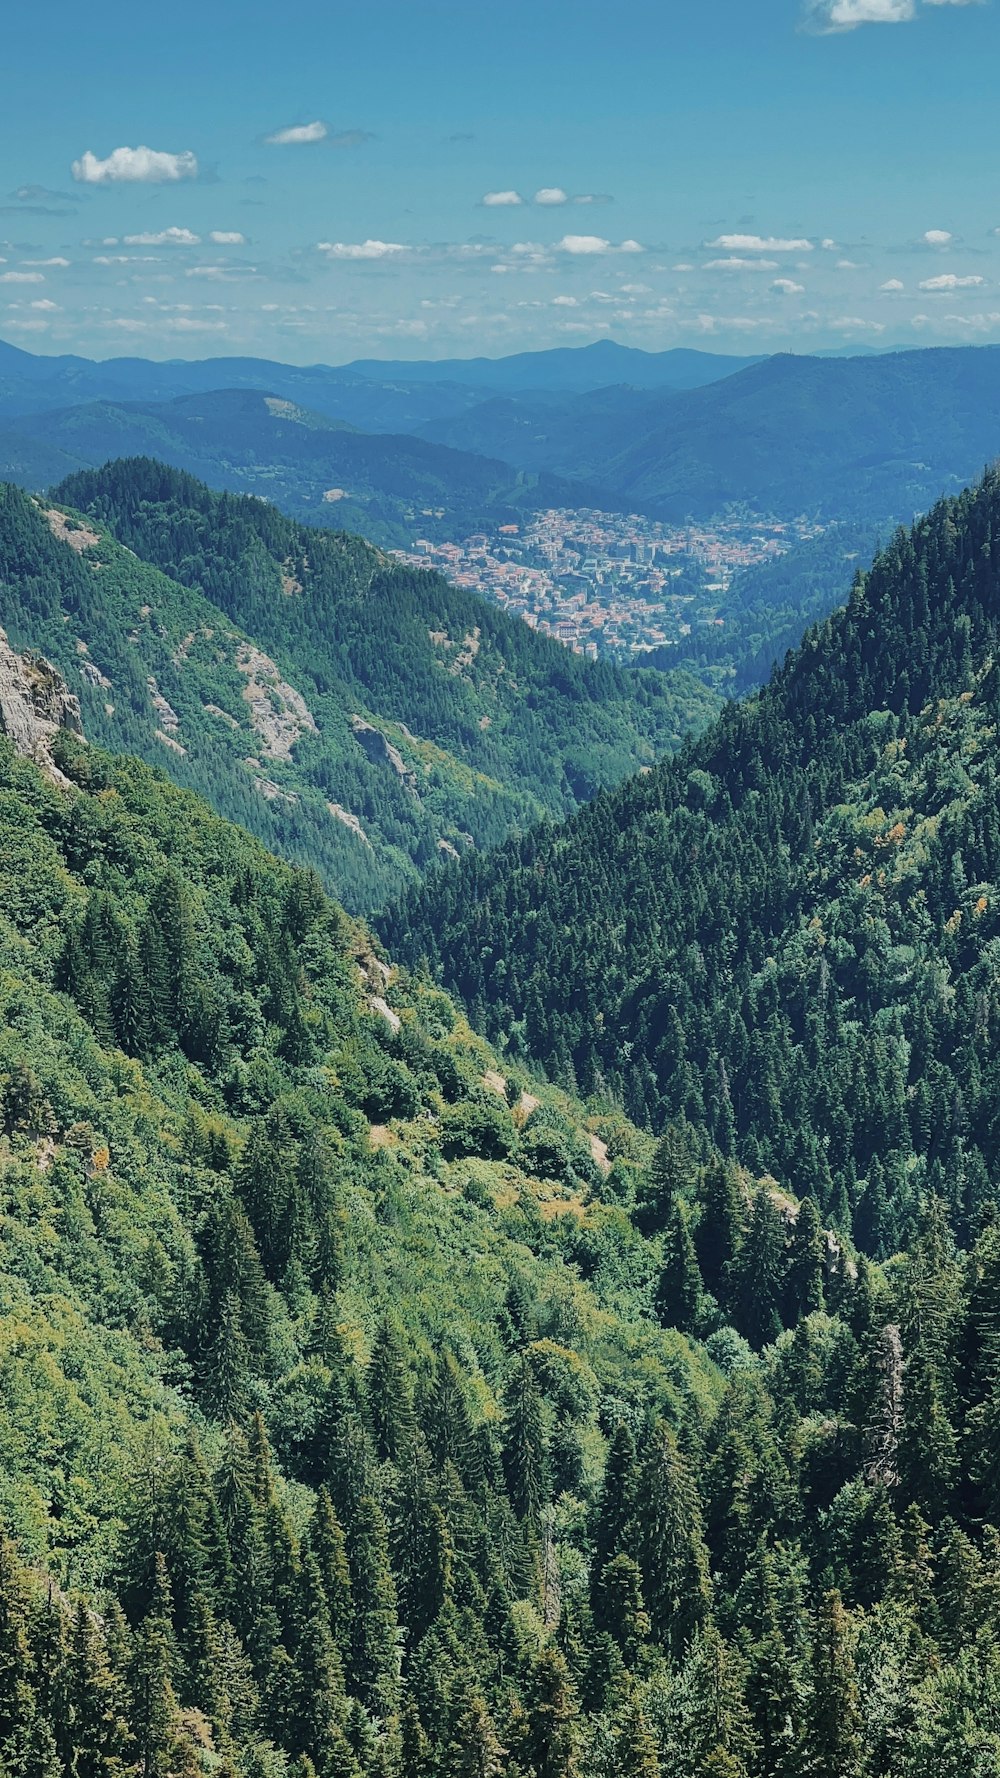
(594, 1375)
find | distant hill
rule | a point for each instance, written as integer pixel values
(565, 369)
(359, 716)
(390, 488)
(853, 438)
(389, 397)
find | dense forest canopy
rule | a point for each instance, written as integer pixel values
(368, 1411)
(372, 1408)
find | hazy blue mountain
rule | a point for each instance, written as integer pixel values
(569, 369)
(858, 437)
(388, 487)
(389, 397)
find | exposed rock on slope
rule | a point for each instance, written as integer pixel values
(380, 749)
(34, 704)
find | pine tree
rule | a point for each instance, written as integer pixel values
(670, 1544)
(524, 1443)
(96, 1742)
(755, 1287)
(679, 1291)
(549, 1741)
(374, 1662)
(328, 1546)
(156, 1717)
(718, 1230)
(390, 1398)
(475, 1750)
(617, 1506)
(227, 1366)
(672, 1175)
(414, 1747)
(834, 1716)
(319, 1702)
(635, 1749)
(803, 1291)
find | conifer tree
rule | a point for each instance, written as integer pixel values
(475, 1750)
(524, 1443)
(374, 1664)
(718, 1230)
(834, 1716)
(549, 1740)
(679, 1291)
(756, 1274)
(670, 1544)
(328, 1547)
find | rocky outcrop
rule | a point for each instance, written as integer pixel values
(279, 714)
(381, 751)
(35, 704)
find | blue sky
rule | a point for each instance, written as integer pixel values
(405, 179)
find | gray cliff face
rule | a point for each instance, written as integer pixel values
(34, 705)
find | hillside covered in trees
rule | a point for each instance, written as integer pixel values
(787, 936)
(357, 715)
(372, 1410)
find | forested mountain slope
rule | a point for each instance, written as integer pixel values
(788, 935)
(390, 488)
(354, 1417)
(355, 714)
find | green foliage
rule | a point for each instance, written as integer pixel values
(240, 650)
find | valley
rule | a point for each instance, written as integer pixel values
(601, 583)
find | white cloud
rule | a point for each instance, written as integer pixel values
(788, 287)
(227, 237)
(847, 265)
(297, 132)
(143, 166)
(951, 281)
(45, 306)
(584, 244)
(937, 237)
(164, 237)
(596, 244)
(856, 324)
(361, 249)
(551, 194)
(734, 263)
(127, 259)
(55, 260)
(891, 285)
(501, 200)
(193, 324)
(637, 289)
(21, 278)
(683, 266)
(828, 16)
(760, 244)
(828, 244)
(565, 302)
(846, 15)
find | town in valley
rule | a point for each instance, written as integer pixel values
(611, 583)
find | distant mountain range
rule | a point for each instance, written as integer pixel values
(863, 437)
(383, 397)
(389, 487)
(678, 434)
